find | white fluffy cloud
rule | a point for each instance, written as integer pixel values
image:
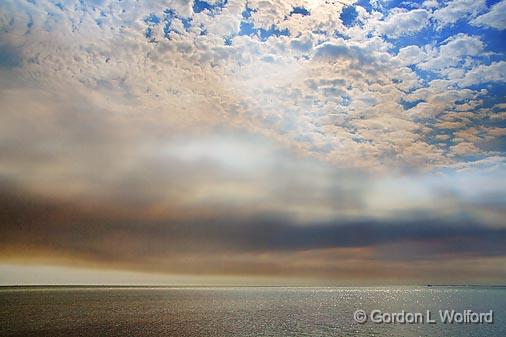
(494, 18)
(457, 10)
(404, 23)
(412, 55)
(495, 72)
(453, 52)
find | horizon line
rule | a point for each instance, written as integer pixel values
(240, 286)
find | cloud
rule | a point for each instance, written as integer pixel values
(495, 72)
(464, 148)
(453, 51)
(494, 18)
(458, 10)
(341, 50)
(239, 132)
(404, 23)
(221, 70)
(411, 55)
(113, 237)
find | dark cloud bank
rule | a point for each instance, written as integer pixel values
(117, 238)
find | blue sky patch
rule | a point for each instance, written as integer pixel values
(349, 16)
(300, 10)
(273, 31)
(201, 6)
(152, 20)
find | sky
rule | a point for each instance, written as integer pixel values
(252, 142)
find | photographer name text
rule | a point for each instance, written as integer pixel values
(428, 317)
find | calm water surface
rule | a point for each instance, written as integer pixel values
(224, 312)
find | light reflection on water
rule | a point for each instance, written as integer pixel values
(224, 312)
